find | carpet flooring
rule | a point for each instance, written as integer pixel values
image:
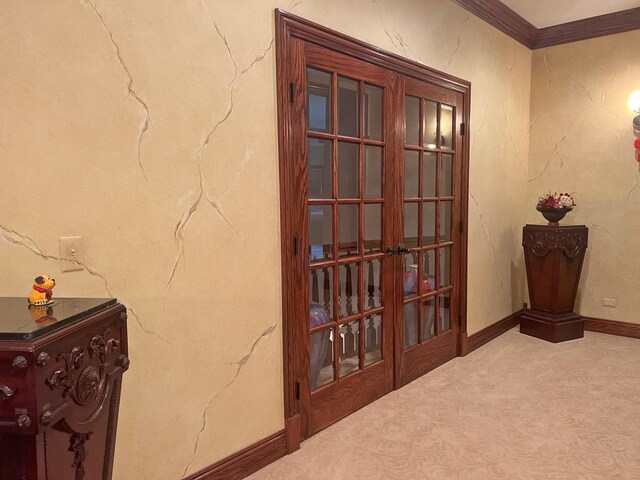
(517, 408)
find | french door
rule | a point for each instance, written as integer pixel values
(371, 171)
(346, 189)
(429, 290)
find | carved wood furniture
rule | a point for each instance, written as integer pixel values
(553, 258)
(61, 369)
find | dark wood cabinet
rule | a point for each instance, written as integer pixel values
(61, 369)
(553, 257)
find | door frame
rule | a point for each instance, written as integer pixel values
(289, 27)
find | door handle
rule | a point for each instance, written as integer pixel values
(403, 249)
(390, 252)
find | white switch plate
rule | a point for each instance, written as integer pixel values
(609, 302)
(71, 248)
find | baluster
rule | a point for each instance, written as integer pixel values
(326, 291)
(349, 290)
(329, 358)
(343, 342)
(314, 287)
(354, 333)
(376, 325)
(379, 283)
(371, 288)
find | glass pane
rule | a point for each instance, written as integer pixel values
(372, 172)
(430, 123)
(348, 287)
(372, 227)
(428, 271)
(318, 100)
(320, 232)
(349, 347)
(410, 225)
(429, 175)
(321, 358)
(348, 225)
(428, 223)
(445, 266)
(444, 307)
(412, 120)
(446, 126)
(319, 153)
(410, 277)
(445, 221)
(372, 284)
(373, 112)
(411, 173)
(320, 296)
(446, 175)
(428, 316)
(410, 324)
(348, 107)
(348, 174)
(372, 339)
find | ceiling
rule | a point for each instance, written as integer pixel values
(545, 13)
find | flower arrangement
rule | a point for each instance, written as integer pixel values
(556, 201)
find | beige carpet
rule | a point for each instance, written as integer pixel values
(517, 408)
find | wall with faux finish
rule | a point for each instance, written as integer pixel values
(149, 128)
(582, 142)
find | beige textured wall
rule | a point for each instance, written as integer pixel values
(582, 141)
(149, 128)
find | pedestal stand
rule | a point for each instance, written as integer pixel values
(553, 258)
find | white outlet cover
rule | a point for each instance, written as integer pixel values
(71, 248)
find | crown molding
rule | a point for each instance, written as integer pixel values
(600, 26)
(497, 14)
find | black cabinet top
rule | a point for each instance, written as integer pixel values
(19, 321)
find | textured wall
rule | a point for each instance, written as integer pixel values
(582, 141)
(149, 128)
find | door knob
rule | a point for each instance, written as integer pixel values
(403, 249)
(390, 252)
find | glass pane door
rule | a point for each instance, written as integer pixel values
(347, 207)
(345, 151)
(429, 243)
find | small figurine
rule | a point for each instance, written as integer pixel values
(42, 290)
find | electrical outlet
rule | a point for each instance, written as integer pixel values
(609, 302)
(71, 253)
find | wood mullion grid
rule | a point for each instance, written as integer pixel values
(438, 204)
(420, 209)
(336, 272)
(361, 226)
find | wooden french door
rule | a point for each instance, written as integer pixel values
(428, 283)
(346, 190)
(373, 192)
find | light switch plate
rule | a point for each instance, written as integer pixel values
(71, 253)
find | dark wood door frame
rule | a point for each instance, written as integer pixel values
(289, 27)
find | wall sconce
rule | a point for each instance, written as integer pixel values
(634, 106)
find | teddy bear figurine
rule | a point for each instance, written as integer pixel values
(42, 290)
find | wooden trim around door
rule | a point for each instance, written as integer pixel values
(612, 327)
(497, 14)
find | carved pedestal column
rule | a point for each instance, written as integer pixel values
(553, 259)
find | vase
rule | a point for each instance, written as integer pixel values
(553, 215)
